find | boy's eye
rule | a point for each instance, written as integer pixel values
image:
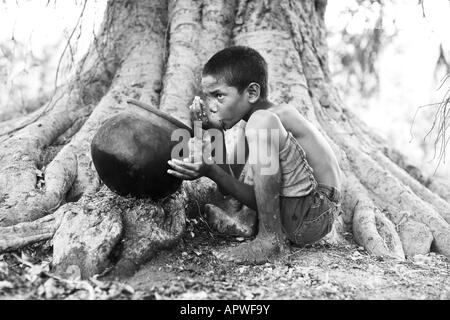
(219, 95)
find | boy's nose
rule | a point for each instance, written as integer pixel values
(212, 107)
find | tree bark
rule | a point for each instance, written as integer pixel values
(153, 51)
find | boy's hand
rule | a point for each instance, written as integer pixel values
(199, 162)
(200, 112)
(187, 170)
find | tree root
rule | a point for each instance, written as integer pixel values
(25, 233)
(441, 188)
(393, 196)
(24, 149)
(371, 229)
(18, 178)
(86, 236)
(148, 229)
(105, 230)
(416, 237)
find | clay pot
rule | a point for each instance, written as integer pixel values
(130, 153)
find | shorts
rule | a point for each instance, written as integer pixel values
(309, 218)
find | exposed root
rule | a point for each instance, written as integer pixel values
(441, 188)
(390, 188)
(37, 203)
(105, 228)
(149, 228)
(86, 236)
(416, 237)
(22, 234)
(20, 161)
(400, 160)
(371, 228)
(392, 195)
(25, 148)
(440, 205)
(393, 161)
(8, 126)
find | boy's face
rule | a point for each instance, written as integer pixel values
(225, 103)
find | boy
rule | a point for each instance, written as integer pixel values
(298, 195)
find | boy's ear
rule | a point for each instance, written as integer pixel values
(254, 91)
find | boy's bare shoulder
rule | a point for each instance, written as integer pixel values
(291, 118)
(282, 111)
(286, 111)
(260, 119)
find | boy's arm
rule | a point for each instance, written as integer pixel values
(223, 163)
(219, 173)
(229, 162)
(267, 172)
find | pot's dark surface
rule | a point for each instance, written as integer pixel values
(130, 153)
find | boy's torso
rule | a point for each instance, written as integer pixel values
(319, 154)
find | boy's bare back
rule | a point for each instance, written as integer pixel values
(319, 154)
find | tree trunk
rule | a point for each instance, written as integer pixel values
(153, 51)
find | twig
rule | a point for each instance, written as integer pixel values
(68, 44)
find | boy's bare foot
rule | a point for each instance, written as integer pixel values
(242, 224)
(258, 251)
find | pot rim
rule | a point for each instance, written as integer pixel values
(160, 113)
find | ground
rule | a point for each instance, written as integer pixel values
(190, 271)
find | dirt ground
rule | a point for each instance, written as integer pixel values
(321, 271)
(190, 271)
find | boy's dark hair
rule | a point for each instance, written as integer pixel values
(238, 66)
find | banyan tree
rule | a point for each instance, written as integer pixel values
(153, 52)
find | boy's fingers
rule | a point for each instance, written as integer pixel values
(183, 167)
(179, 175)
(190, 166)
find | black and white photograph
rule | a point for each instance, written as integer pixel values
(232, 157)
